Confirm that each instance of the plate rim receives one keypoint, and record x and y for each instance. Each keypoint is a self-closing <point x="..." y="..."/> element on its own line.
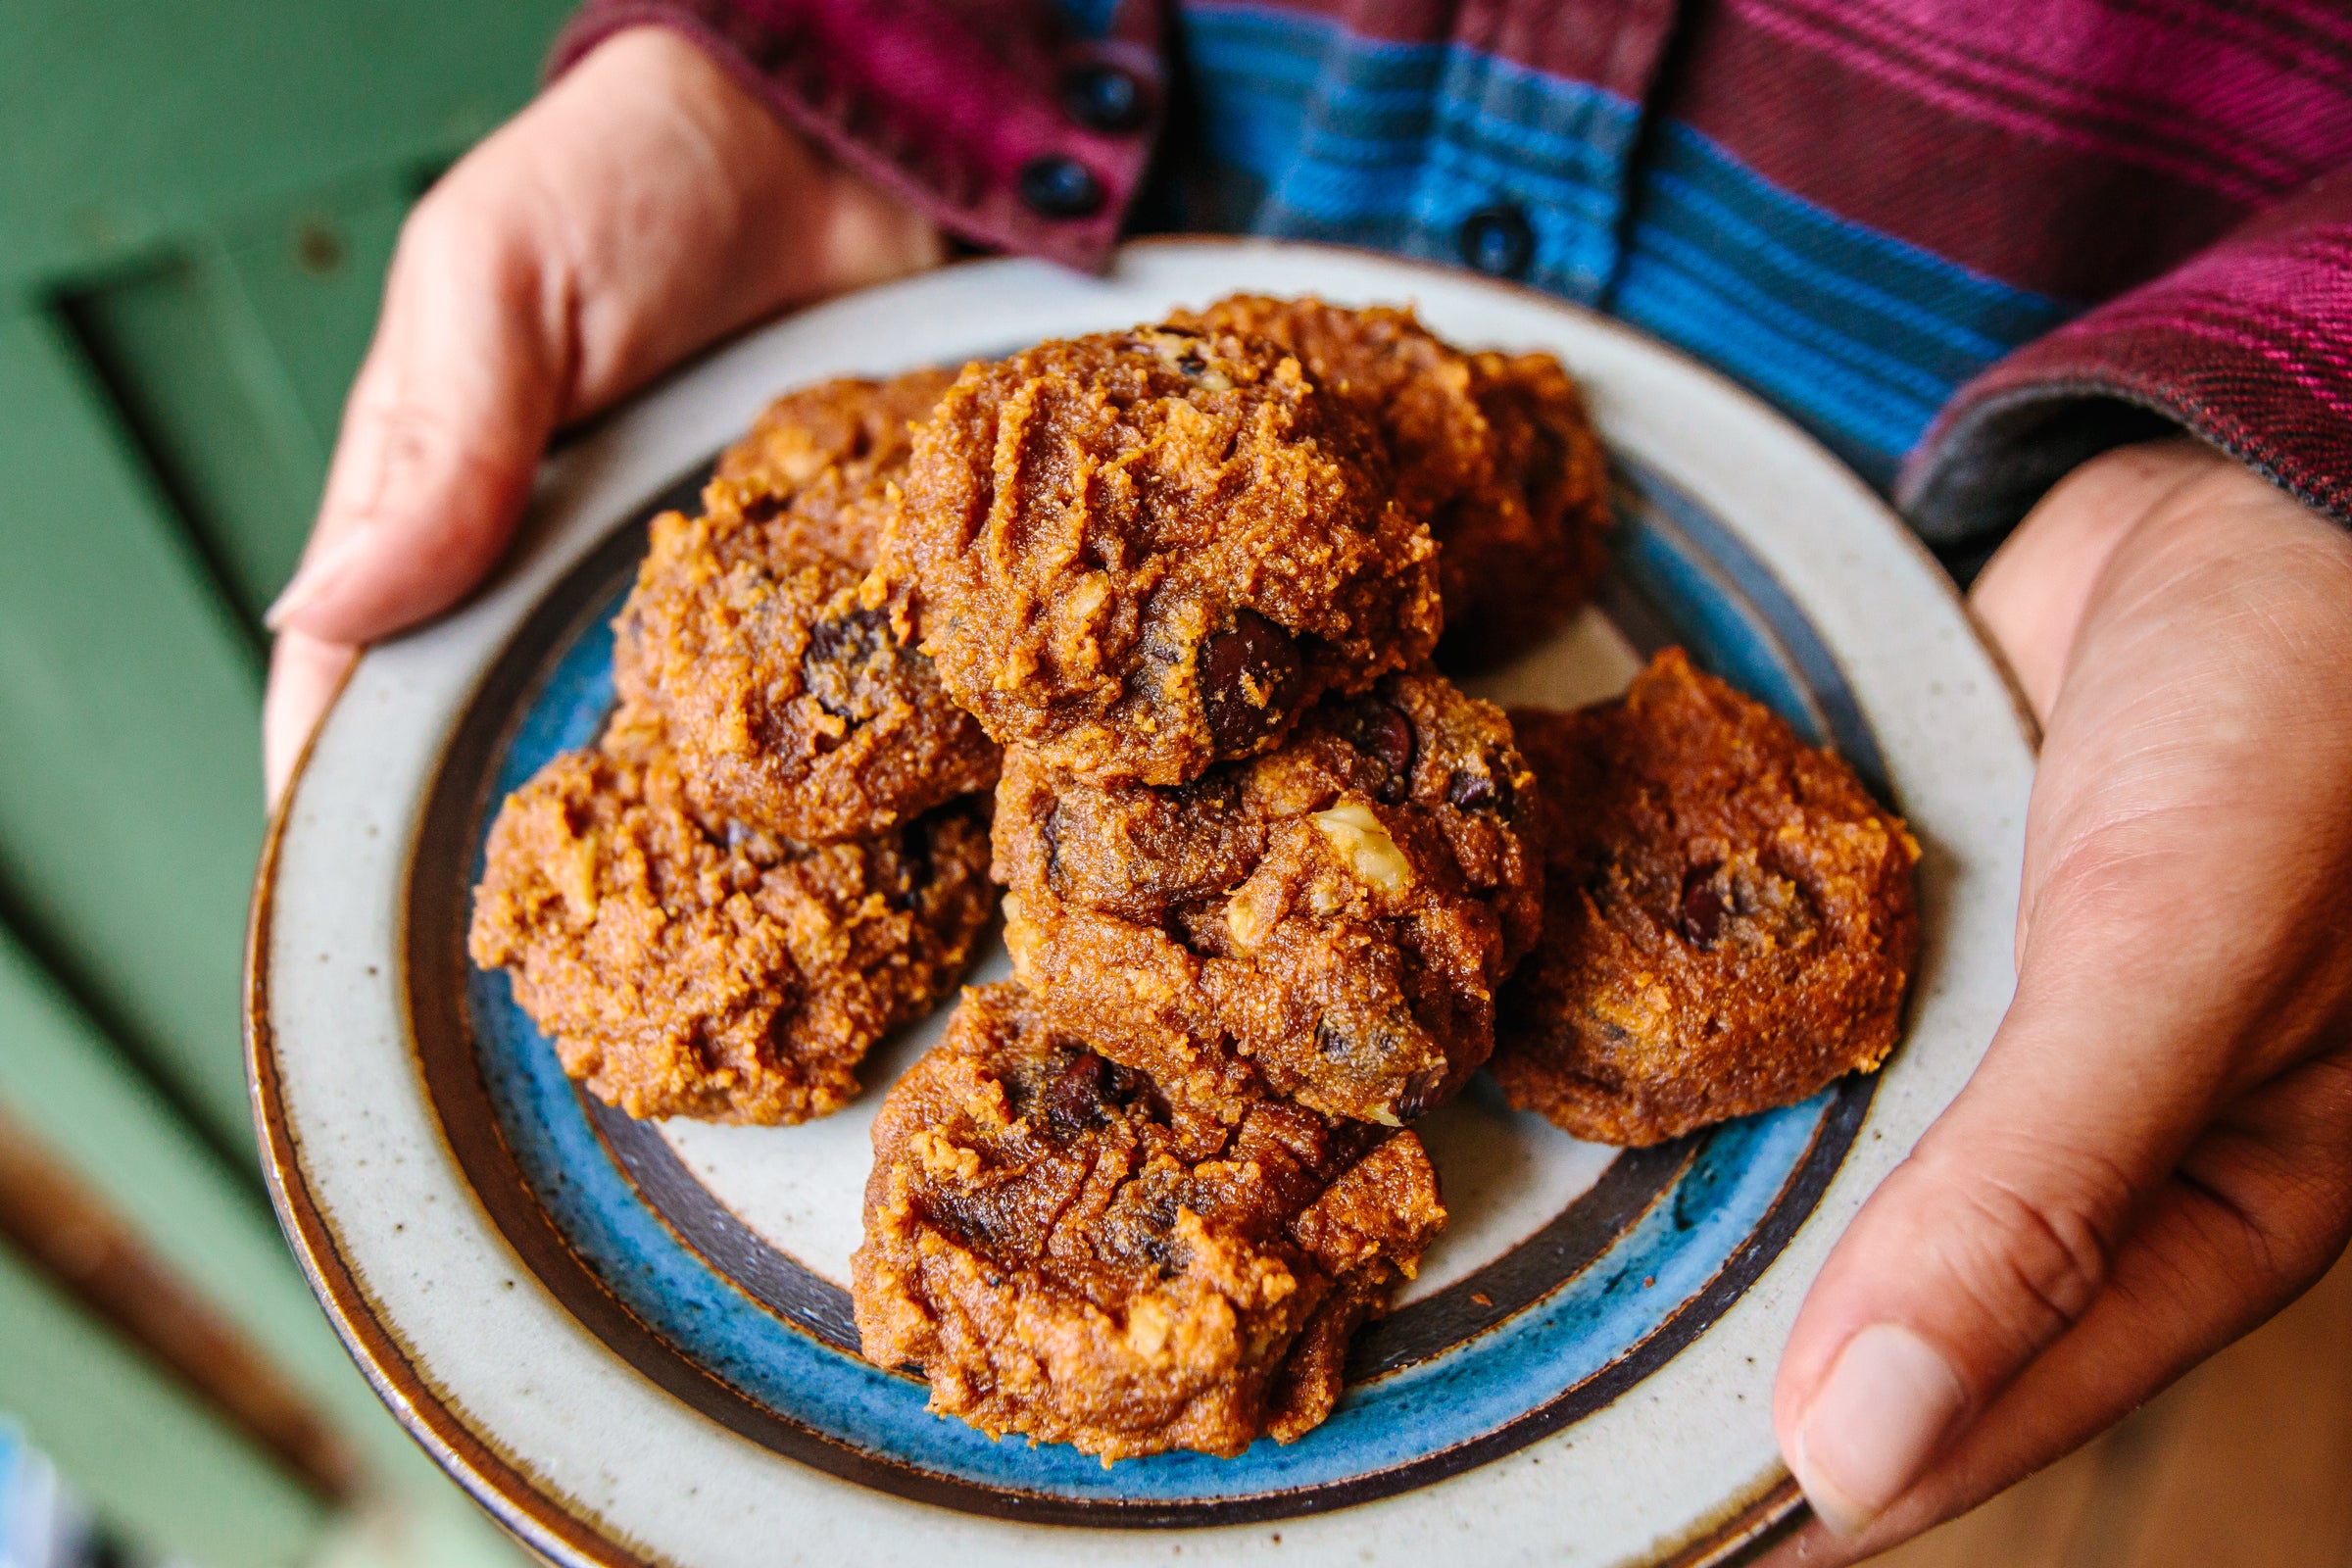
<point x="503" y="1482"/>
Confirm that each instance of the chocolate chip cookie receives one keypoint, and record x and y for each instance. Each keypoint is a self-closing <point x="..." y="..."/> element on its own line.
<point x="1328" y="922"/>
<point x="687" y="967"/>
<point x="825" y="456"/>
<point x="785" y="678"/>
<point x="1138" y="553"/>
<point x="1494" y="452"/>
<point x="1729" y="919"/>
<point x="1064" y="1254"/>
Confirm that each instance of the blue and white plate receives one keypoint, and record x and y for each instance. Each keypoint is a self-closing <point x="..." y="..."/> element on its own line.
<point x="632" y="1340"/>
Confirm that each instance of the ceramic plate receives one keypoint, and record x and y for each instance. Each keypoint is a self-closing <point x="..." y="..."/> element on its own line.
<point x="632" y="1342"/>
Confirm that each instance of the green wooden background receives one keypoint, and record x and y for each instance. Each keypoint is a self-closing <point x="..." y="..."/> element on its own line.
<point x="197" y="202"/>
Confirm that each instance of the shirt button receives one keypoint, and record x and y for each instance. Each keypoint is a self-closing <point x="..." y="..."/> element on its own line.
<point x="1496" y="241"/>
<point x="1102" y="98"/>
<point x="1061" y="187"/>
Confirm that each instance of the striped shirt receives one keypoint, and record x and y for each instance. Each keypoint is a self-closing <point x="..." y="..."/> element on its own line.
<point x="1968" y="243"/>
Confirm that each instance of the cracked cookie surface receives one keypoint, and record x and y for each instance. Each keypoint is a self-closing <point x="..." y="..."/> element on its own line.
<point x="782" y="676"/>
<point x="1328" y="922"/>
<point x="1495" y="451"/>
<point x="1064" y="1254"/>
<point x="1138" y="552"/>
<point x="1729" y="918"/>
<point x="686" y="968"/>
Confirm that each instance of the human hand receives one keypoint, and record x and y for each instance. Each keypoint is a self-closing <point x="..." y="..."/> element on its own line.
<point x="643" y="207"/>
<point x="2156" y="1153"/>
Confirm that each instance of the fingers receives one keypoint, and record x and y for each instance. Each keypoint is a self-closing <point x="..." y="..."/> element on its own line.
<point x="305" y="673"/>
<point x="645" y="205"/>
<point x="2187" y="868"/>
<point x="2257" y="1212"/>
<point x="1981" y="1249"/>
<point x="442" y="430"/>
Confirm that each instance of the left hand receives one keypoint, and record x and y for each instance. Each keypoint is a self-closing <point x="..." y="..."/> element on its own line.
<point x="2156" y="1153"/>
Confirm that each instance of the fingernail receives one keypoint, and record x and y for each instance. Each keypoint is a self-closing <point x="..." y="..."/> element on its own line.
<point x="1883" y="1411"/>
<point x="314" y="577"/>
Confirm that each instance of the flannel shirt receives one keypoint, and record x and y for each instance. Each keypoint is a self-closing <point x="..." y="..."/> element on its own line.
<point x="1967" y="243"/>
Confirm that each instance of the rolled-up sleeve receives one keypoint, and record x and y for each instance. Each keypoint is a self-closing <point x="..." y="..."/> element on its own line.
<point x="1011" y="122"/>
<point x="2247" y="344"/>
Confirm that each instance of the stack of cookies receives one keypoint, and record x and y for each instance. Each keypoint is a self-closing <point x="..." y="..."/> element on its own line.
<point x="1272" y="880"/>
<point x="778" y="851"/>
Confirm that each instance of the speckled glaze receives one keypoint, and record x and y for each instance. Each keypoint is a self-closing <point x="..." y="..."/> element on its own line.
<point x="631" y="1341"/>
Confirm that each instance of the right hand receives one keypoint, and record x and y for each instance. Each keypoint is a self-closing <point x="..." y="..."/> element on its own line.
<point x="643" y="207"/>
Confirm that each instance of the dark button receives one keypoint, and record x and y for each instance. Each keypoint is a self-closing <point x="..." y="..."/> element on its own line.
<point x="1061" y="187"/>
<point x="1102" y="98"/>
<point x="1498" y="241"/>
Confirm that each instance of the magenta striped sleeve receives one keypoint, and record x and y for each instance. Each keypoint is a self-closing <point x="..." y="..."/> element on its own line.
<point x="2248" y="344"/>
<point x="1012" y="130"/>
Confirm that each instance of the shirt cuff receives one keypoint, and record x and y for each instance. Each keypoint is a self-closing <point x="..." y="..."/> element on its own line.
<point x="2247" y="345"/>
<point x="1000" y="122"/>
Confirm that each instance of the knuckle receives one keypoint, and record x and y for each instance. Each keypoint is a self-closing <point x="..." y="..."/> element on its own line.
<point x="2031" y="1236"/>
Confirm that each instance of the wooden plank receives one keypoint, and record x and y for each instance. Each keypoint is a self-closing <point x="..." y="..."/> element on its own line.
<point x="209" y="1226"/>
<point x="144" y="1456"/>
<point x="130" y="807"/>
<point x="128" y="125"/>
<point x="230" y="359"/>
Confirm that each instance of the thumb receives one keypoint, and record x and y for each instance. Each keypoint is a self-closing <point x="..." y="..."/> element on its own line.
<point x="1984" y="1246"/>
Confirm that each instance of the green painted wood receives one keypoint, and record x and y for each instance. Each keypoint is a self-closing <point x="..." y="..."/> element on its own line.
<point x="125" y="125"/>
<point x="59" y="1073"/>
<point x="230" y="358"/>
<point x="147" y="1459"/>
<point x="129" y="781"/>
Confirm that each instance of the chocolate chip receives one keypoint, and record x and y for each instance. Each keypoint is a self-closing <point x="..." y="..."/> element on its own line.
<point x="763" y="506"/>
<point x="1702" y="904"/>
<point x="837" y="648"/>
<point x="1249" y="679"/>
<point x="861" y="633"/>
<point x="1478" y="792"/>
<point x="1384" y="734"/>
<point x="1192" y="363"/>
<point x="1421" y="1094"/>
<point x="1074" y="1099"/>
<point x="914" y="854"/>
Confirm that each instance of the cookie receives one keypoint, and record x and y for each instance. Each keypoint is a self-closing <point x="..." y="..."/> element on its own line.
<point x="1328" y="922"/>
<point x="1138" y="553"/>
<point x="1729" y="919"/>
<point x="829" y="452"/>
<point x="783" y="678"/>
<point x="691" y="968"/>
<point x="1494" y="452"/>
<point x="1064" y="1254"/>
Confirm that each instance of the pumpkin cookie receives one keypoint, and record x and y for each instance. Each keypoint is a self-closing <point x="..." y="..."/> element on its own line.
<point x="1729" y="919"/>
<point x="1064" y="1254"/>
<point x="779" y="672"/>
<point x="827" y="455"/>
<point x="692" y="968"/>
<point x="1142" y="551"/>
<point x="1328" y="922"/>
<point x="1494" y="452"/>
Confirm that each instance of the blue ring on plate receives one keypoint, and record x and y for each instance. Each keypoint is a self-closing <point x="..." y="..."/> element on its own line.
<point x="721" y="1318"/>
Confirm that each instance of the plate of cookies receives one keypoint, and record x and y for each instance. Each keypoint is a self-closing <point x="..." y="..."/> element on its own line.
<point x="1269" y="906"/>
